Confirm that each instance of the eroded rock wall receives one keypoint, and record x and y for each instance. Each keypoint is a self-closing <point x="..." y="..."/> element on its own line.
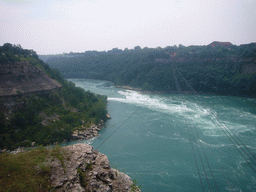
<point x="23" y="78"/>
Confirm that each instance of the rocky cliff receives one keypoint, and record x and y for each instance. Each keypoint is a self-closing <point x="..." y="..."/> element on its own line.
<point x="85" y="169"/>
<point x="23" y="78"/>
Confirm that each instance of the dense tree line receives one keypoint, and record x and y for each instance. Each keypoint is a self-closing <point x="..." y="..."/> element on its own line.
<point x="215" y="68"/>
<point x="70" y="106"/>
<point x="13" y="53"/>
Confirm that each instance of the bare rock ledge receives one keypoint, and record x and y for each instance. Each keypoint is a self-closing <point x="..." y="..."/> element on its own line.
<point x="93" y="173"/>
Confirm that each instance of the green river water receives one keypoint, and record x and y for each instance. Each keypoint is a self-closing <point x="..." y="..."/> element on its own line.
<point x="179" y="142"/>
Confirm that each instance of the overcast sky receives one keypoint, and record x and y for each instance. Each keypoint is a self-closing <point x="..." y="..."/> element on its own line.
<point x="57" y="26"/>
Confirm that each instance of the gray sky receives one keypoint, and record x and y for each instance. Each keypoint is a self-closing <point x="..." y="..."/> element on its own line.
<point x="57" y="26"/>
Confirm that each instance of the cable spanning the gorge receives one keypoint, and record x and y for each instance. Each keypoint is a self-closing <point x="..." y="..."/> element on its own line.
<point x="118" y="128"/>
<point x="230" y="134"/>
<point x="187" y="83"/>
<point x="200" y="157"/>
<point x="190" y="138"/>
<point x="206" y="158"/>
<point x="176" y="81"/>
<point x="100" y="145"/>
<point x="196" y="161"/>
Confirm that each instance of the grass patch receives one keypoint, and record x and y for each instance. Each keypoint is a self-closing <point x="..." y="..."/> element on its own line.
<point x="29" y="170"/>
<point x="58" y="153"/>
<point x="25" y="171"/>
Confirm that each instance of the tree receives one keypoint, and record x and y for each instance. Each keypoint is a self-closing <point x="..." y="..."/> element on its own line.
<point x="137" y="48"/>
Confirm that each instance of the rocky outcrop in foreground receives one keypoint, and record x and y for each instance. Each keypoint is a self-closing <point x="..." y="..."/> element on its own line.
<point x="85" y="169"/>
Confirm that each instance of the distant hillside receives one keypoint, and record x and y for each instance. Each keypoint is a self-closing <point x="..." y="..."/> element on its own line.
<point x="37" y="105"/>
<point x="218" y="68"/>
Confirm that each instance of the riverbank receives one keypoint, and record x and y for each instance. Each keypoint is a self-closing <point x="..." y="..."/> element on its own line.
<point x="88" y="132"/>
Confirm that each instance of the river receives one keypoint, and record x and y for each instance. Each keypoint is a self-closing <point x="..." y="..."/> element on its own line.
<point x="171" y="142"/>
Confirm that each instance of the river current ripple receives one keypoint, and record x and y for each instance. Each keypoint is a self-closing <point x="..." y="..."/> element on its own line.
<point x="155" y="147"/>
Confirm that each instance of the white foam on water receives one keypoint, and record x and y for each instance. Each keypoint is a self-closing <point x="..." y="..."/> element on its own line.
<point x="185" y="111"/>
<point x="171" y="137"/>
<point x="160" y="104"/>
<point x="214" y="145"/>
<point x="89" y="141"/>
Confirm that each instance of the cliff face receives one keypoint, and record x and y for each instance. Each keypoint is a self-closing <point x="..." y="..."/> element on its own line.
<point x="22" y="78"/>
<point x="85" y="169"/>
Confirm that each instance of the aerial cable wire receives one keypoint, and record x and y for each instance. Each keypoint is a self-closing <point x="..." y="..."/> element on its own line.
<point x="206" y="159"/>
<point x="229" y="130"/>
<point x="176" y="81"/>
<point x="99" y="145"/>
<point x="230" y="135"/>
<point x="196" y="161"/>
<point x="253" y="119"/>
<point x="194" y="91"/>
<point x="221" y="125"/>
<point x="200" y="157"/>
<point x="187" y="83"/>
<point x="217" y="118"/>
<point x="237" y="147"/>
<point x="194" y="154"/>
<point x="199" y="154"/>
<point x="226" y="179"/>
<point x="197" y="166"/>
<point x="118" y="128"/>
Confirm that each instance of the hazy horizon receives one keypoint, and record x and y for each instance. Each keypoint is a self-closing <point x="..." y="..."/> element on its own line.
<point x="56" y="27"/>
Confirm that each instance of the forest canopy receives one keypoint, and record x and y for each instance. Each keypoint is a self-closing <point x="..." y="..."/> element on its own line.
<point x="219" y="68"/>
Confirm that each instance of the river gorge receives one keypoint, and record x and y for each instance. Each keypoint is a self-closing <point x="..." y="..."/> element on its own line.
<point x="171" y="142"/>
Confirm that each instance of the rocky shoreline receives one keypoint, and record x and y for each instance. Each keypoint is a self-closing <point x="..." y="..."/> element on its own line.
<point x="88" y="133"/>
<point x="85" y="169"/>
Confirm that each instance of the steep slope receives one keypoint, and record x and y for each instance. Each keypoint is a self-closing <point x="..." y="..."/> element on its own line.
<point x="38" y="106"/>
